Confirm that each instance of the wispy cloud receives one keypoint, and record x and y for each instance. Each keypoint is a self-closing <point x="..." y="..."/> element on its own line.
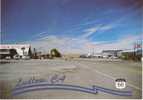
<point x="89" y="32"/>
<point x="39" y="35"/>
<point x="123" y="43"/>
<point x="64" y="44"/>
<point x="82" y="45"/>
<point x="106" y="27"/>
<point x="100" y="28"/>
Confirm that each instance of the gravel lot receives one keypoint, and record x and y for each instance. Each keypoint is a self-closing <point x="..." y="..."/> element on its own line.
<point x="83" y="72"/>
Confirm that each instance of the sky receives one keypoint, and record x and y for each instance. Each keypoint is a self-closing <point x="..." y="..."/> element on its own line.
<point x="72" y="26"/>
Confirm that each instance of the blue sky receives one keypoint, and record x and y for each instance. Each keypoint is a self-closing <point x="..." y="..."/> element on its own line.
<point x="82" y="24"/>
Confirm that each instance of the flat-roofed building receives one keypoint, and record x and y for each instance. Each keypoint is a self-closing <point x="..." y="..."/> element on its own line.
<point x="110" y="53"/>
<point x="21" y="49"/>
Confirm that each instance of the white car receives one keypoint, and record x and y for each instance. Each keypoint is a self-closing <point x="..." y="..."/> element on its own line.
<point x="8" y="58"/>
<point x="25" y="57"/>
<point x="114" y="57"/>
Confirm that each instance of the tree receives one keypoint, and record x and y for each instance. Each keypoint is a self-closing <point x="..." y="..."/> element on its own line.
<point x="12" y="52"/>
<point x="30" y="52"/>
<point x="55" y="53"/>
<point x="34" y="54"/>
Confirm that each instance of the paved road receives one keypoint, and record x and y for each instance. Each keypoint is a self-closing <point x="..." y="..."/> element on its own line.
<point x="83" y="72"/>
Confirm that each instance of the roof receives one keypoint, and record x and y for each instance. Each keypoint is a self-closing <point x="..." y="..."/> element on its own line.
<point x="128" y="50"/>
<point x="111" y="51"/>
<point x="13" y="46"/>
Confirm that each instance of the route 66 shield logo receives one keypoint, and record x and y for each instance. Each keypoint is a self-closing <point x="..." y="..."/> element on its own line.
<point x="120" y="83"/>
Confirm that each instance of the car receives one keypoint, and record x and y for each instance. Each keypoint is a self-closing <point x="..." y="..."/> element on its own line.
<point x="16" y="57"/>
<point x="83" y="56"/>
<point x="8" y="58"/>
<point x="113" y="57"/>
<point x="25" y="57"/>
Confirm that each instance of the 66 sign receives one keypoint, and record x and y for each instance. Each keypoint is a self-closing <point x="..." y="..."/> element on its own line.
<point x="120" y="83"/>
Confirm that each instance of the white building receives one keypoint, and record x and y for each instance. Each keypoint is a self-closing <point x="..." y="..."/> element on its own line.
<point x="21" y="49"/>
<point x="111" y="53"/>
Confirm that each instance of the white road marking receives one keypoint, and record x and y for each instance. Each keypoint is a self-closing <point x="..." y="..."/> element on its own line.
<point x="111" y="77"/>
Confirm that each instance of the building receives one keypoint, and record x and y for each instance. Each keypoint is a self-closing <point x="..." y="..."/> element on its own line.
<point x="98" y="55"/>
<point x="111" y="53"/>
<point x="14" y="49"/>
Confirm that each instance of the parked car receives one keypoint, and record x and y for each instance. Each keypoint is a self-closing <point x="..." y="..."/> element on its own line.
<point x="16" y="57"/>
<point x="113" y="57"/>
<point x="8" y="58"/>
<point x="82" y="56"/>
<point x="85" y="56"/>
<point x="25" y="57"/>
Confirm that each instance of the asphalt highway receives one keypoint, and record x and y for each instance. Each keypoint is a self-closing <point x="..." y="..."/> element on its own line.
<point x="82" y="72"/>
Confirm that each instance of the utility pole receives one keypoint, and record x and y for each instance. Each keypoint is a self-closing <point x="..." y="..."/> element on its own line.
<point x="134" y="49"/>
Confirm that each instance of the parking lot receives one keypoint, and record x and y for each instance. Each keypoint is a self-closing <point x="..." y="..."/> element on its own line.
<point x="80" y="71"/>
